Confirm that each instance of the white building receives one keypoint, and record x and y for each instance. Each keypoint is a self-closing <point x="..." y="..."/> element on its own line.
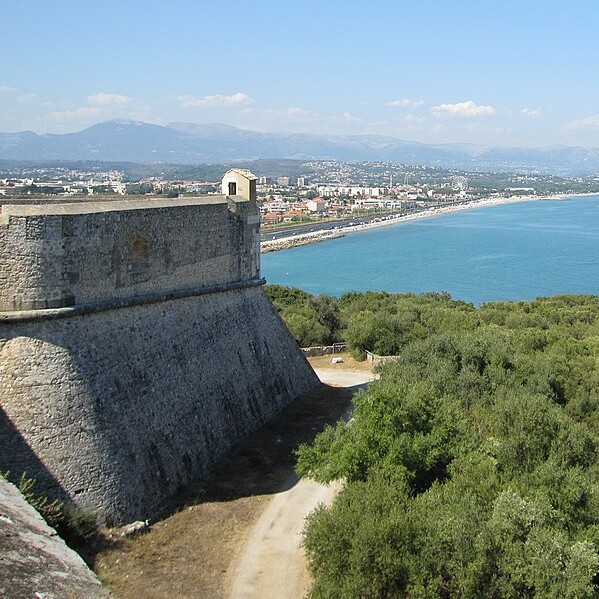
<point x="317" y="206"/>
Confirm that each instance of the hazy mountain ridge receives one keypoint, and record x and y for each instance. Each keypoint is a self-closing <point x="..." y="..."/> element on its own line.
<point x="190" y="143"/>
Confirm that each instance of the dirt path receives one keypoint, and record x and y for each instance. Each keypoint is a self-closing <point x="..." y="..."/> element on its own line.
<point x="199" y="546"/>
<point x="272" y="562"/>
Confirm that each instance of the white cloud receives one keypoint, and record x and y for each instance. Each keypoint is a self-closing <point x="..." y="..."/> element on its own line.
<point x="468" y="109"/>
<point x="299" y="112"/>
<point x="351" y="118"/>
<point x="99" y="105"/>
<point x="412" y="118"/>
<point x="236" y="99"/>
<point x="400" y="103"/>
<point x="27" y="98"/>
<point x="79" y="113"/>
<point x="103" y="99"/>
<point x="405" y="103"/>
<point x="4" y="89"/>
<point x="531" y="112"/>
<point x="589" y="122"/>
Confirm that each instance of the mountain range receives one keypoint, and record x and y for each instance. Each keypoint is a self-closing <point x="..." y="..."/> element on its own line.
<point x="189" y="143"/>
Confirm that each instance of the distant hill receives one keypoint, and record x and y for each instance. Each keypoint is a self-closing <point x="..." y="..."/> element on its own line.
<point x="189" y="143"/>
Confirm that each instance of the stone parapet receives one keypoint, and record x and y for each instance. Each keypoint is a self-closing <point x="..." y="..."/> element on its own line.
<point x="61" y="255"/>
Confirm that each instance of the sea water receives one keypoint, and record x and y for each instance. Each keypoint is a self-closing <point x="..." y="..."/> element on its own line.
<point x="509" y="252"/>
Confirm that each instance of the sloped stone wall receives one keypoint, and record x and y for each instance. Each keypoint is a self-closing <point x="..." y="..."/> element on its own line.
<point x="120" y="408"/>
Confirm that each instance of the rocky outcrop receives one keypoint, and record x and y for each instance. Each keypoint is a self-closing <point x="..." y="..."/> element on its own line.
<point x="34" y="561"/>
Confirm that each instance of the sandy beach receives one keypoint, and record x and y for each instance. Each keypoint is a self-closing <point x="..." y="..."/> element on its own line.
<point x="319" y="236"/>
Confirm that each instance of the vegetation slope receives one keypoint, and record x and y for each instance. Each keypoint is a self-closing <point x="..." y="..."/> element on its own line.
<point x="470" y="468"/>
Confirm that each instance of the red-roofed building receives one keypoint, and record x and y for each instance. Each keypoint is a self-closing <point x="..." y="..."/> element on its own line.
<point x="271" y="218"/>
<point x="289" y="216"/>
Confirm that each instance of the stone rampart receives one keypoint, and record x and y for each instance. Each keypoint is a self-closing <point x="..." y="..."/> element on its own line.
<point x="119" y="409"/>
<point x="136" y="347"/>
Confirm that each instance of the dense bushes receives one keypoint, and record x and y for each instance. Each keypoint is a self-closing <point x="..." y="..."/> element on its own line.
<point x="378" y="322"/>
<point x="471" y="467"/>
<point x="312" y="320"/>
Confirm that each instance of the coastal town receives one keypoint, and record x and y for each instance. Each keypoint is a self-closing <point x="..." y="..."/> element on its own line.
<point x="299" y="202"/>
<point x="287" y="189"/>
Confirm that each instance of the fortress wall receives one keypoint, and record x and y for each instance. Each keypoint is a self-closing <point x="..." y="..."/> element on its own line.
<point x="118" y="409"/>
<point x="136" y="346"/>
<point x="73" y="254"/>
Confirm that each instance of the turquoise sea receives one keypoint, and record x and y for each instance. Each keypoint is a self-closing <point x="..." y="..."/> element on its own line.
<point x="511" y="252"/>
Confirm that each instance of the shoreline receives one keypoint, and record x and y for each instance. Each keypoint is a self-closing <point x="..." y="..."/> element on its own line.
<point x="319" y="236"/>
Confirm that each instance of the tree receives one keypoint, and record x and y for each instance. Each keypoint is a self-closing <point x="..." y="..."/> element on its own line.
<point x="470" y="467"/>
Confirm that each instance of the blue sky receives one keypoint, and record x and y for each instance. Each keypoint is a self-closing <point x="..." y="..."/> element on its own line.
<point x="501" y="72"/>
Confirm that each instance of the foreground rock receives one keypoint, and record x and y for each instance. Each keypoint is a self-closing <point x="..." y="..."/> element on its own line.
<point x="34" y="560"/>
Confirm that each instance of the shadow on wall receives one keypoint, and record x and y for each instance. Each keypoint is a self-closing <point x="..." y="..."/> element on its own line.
<point x="264" y="463"/>
<point x="18" y="458"/>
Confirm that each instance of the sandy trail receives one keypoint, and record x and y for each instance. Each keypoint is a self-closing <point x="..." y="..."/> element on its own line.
<point x="272" y="562"/>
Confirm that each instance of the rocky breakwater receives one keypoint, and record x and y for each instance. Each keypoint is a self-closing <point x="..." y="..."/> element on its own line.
<point x="292" y="241"/>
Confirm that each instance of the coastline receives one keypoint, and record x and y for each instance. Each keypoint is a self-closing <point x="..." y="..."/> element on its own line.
<point x="319" y="236"/>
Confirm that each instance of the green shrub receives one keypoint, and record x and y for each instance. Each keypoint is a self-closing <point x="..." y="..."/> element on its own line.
<point x="74" y="525"/>
<point x="470" y="467"/>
